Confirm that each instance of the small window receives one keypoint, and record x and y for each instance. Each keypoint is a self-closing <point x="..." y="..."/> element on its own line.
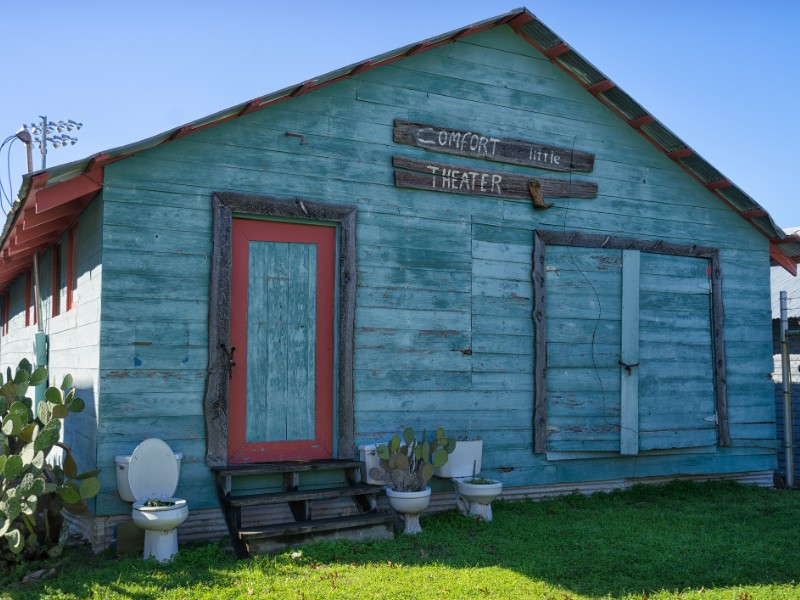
<point x="4" y="313"/>
<point x="30" y="300"/>
<point x="72" y="271"/>
<point x="56" y="290"/>
<point x="8" y="312"/>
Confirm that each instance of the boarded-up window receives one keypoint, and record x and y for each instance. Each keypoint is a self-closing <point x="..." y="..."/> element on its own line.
<point x="56" y="286"/>
<point x="626" y="346"/>
<point x="72" y="271"/>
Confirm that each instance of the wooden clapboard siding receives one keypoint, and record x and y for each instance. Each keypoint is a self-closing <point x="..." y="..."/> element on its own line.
<point x="584" y="286"/>
<point x="677" y="292"/>
<point x="73" y="335"/>
<point x="443" y="331"/>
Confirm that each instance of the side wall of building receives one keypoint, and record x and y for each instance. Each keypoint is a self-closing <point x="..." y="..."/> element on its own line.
<point x="73" y="333"/>
<point x="444" y="332"/>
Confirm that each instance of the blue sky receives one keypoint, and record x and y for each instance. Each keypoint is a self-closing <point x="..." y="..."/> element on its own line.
<point x="722" y="74"/>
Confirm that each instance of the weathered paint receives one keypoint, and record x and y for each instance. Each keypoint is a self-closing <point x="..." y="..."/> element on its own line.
<point x="443" y="329"/>
<point x="73" y="335"/>
<point x="282" y="324"/>
<point x="629" y="353"/>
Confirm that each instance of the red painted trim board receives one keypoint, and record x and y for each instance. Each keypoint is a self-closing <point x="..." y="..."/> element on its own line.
<point x="244" y="231"/>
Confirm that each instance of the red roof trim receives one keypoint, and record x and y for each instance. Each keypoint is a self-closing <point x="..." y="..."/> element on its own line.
<point x="31" y="245"/>
<point x="31" y="219"/>
<point x="79" y="187"/>
<point x="519" y="20"/>
<point x="98" y="162"/>
<point x="303" y="88"/>
<point x="417" y="48"/>
<point x="39" y="180"/>
<point x="23" y="236"/>
<point x="250" y="107"/>
<point x="600" y="87"/>
<point x="718" y="184"/>
<point x="680" y="153"/>
<point x="367" y="64"/>
<point x="466" y="31"/>
<point x="753" y="214"/>
<point x="557" y="50"/>
<point x="789" y="239"/>
<point x="783" y="260"/>
<point x="641" y="121"/>
<point x="183" y="131"/>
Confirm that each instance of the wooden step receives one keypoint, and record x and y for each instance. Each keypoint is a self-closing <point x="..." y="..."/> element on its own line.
<point x="281" y="497"/>
<point x="289" y="466"/>
<point x="315" y="526"/>
<point x="358" y="528"/>
<point x="318" y="525"/>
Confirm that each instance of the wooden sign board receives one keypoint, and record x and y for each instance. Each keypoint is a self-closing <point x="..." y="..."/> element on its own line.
<point x="438" y="177"/>
<point x="473" y="144"/>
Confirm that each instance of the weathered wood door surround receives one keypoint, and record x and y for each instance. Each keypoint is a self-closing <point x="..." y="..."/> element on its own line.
<point x="280" y="356"/>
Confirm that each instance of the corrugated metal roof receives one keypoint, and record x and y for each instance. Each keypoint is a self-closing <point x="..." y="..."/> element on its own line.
<point x="68" y="188"/>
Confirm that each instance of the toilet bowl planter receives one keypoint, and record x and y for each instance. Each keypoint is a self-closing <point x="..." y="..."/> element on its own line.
<point x="149" y="478"/>
<point x="406" y="466"/>
<point x="160" y="526"/>
<point x="474" y="496"/>
<point x="409" y="505"/>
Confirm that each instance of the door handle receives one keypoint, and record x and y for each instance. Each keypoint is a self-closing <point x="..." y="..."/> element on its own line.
<point x="627" y="366"/>
<point x="229" y="356"/>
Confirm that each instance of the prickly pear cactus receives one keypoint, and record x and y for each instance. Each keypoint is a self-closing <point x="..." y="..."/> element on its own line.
<point x="406" y="465"/>
<point x="33" y="491"/>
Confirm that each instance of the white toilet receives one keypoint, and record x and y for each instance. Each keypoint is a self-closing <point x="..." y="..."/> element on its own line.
<point x="151" y="472"/>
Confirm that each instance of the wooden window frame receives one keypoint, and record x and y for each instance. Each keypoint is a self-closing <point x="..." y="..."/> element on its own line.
<point x="72" y="281"/>
<point x="28" y="299"/>
<point x="215" y="404"/>
<point x="56" y="275"/>
<point x="543" y="238"/>
<point x="6" y="312"/>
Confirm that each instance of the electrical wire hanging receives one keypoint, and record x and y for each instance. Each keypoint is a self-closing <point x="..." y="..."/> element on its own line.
<point x="5" y="194"/>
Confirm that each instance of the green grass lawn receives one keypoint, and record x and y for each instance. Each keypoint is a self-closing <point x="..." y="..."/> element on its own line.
<point x="683" y="540"/>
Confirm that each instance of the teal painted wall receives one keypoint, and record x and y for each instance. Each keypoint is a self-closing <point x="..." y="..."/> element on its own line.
<point x="73" y="335"/>
<point x="438" y="275"/>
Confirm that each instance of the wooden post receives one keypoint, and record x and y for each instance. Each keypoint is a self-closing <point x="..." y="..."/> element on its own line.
<point x="629" y="354"/>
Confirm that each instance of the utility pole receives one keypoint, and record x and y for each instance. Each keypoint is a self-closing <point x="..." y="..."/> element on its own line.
<point x="49" y="132"/>
<point x="25" y="137"/>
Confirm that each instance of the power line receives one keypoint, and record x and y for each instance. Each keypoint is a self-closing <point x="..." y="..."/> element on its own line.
<point x="5" y="196"/>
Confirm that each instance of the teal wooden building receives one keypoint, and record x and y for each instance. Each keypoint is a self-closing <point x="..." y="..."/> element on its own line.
<point x="480" y="231"/>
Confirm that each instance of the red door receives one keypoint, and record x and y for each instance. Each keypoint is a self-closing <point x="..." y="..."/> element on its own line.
<point x="282" y="326"/>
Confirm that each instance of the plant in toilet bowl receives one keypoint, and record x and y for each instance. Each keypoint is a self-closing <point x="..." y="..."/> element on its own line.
<point x="474" y="495"/>
<point x="33" y="487"/>
<point x="475" y="480"/>
<point x="480" y="481"/>
<point x="157" y="503"/>
<point x="406" y="466"/>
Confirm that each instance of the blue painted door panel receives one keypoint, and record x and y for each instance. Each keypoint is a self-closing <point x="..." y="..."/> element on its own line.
<point x="583" y="309"/>
<point x="667" y="399"/>
<point x="676" y="392"/>
<point x="281" y="339"/>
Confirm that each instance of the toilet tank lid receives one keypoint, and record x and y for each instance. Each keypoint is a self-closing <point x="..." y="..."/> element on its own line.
<point x="153" y="471"/>
<point x="124" y="459"/>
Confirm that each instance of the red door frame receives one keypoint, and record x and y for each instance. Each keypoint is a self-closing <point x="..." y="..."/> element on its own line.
<point x="244" y="231"/>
